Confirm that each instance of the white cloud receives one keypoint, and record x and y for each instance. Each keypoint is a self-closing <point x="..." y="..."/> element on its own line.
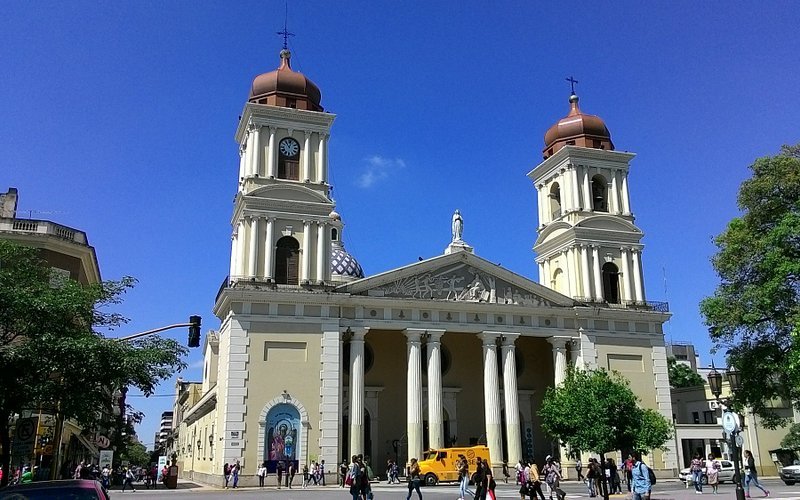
<point x="197" y="364"/>
<point x="378" y="168"/>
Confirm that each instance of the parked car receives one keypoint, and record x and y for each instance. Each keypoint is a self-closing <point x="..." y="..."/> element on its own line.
<point x="69" y="489"/>
<point x="790" y="474"/>
<point x="725" y="473"/>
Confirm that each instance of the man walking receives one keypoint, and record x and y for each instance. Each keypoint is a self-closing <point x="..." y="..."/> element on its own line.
<point x="641" y="478"/>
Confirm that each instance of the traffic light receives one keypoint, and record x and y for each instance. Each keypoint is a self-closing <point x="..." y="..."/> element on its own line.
<point x="194" y="331"/>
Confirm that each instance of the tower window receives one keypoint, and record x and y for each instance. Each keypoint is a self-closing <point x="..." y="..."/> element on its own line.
<point x="289" y="159"/>
<point x="555" y="201"/>
<point x="334" y="234"/>
<point x="287" y="261"/>
<point x="599" y="194"/>
<point x="611" y="283"/>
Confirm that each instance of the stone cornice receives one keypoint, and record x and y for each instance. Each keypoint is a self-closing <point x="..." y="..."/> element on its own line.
<point x="573" y="154"/>
<point x="280" y="117"/>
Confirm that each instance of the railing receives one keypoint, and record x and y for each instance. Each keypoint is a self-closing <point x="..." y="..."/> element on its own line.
<point x="641" y="305"/>
<point x="32" y="226"/>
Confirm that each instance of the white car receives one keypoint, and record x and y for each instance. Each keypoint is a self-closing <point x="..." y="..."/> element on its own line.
<point x="725" y="473"/>
<point x="790" y="474"/>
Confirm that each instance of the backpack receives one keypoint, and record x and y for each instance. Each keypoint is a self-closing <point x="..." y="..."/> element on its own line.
<point x="650" y="474"/>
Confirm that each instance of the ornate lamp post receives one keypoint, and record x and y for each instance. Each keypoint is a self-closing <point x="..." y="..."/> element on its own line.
<point x="730" y="420"/>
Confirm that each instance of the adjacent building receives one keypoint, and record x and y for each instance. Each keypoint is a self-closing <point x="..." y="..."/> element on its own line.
<point x="315" y="361"/>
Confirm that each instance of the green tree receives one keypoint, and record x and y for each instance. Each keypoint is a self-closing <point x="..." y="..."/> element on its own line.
<point x="53" y="355"/>
<point x="681" y="375"/>
<point x="136" y="454"/>
<point x="596" y="411"/>
<point x="792" y="439"/>
<point x="754" y="314"/>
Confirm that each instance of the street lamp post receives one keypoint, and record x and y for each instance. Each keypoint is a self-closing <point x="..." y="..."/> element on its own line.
<point x="730" y="419"/>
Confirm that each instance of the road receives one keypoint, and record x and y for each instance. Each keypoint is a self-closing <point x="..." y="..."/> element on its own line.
<point x="667" y="490"/>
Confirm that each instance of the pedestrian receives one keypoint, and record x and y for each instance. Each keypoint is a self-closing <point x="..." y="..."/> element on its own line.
<point x="262" y="473"/>
<point x="640" y="477"/>
<point x="552" y="477"/>
<point x="235" y="470"/>
<point x="613" y="476"/>
<point x="313" y="472"/>
<point x="394" y="476"/>
<point x="226" y="473"/>
<point x="506" y="475"/>
<point x="696" y="469"/>
<point x="534" y="483"/>
<point x="279" y="471"/>
<point x="579" y="469"/>
<point x="105" y="477"/>
<point x="78" y="471"/>
<point x="342" y="473"/>
<point x="591" y="474"/>
<point x="463" y="477"/>
<point x="353" y="479"/>
<point x="290" y="474"/>
<point x="413" y="479"/>
<point x="628" y="471"/>
<point x="479" y="478"/>
<point x="321" y="471"/>
<point x="128" y="480"/>
<point x="712" y="472"/>
<point x="751" y="474"/>
<point x="365" y="489"/>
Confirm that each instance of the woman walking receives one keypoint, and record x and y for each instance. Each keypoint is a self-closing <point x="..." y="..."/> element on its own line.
<point x="463" y="478"/>
<point x="413" y="479"/>
<point x="712" y="472"/>
<point x="696" y="469"/>
<point x="751" y="475"/>
<point x="262" y="473"/>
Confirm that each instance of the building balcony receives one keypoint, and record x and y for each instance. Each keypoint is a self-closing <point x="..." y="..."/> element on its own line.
<point x="42" y="227"/>
<point x="640" y="305"/>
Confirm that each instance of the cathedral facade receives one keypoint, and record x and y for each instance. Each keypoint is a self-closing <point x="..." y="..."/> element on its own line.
<point x="314" y="361"/>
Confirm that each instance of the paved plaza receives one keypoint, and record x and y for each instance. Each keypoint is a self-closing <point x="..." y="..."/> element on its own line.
<point x="667" y="490"/>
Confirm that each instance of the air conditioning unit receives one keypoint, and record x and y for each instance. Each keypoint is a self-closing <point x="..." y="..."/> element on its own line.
<point x="713" y="405"/>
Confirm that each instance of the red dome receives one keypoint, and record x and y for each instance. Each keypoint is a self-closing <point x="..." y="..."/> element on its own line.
<point x="286" y="88"/>
<point x="577" y="129"/>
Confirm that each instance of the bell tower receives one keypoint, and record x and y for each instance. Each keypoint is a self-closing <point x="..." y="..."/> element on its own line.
<point x="588" y="247"/>
<point x="281" y="218"/>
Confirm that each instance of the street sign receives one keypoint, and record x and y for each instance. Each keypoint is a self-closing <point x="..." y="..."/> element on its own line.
<point x="106" y="458"/>
<point x="739" y="440"/>
<point x="162" y="462"/>
<point x="103" y="442"/>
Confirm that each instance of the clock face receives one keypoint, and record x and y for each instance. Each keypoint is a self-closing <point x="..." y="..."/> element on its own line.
<point x="289" y="147"/>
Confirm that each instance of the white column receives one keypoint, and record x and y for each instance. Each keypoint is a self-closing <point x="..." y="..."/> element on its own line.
<point x="249" y="150"/>
<point x="242" y="158"/>
<point x="435" y="414"/>
<point x="357" y="391"/>
<point x="542" y="199"/>
<point x="513" y="437"/>
<point x="587" y="289"/>
<point x="568" y="272"/>
<point x="547" y="275"/>
<point x="572" y="272"/>
<point x="414" y="393"/>
<point x="240" y="249"/>
<point x="566" y="192"/>
<point x="598" y="280"/>
<point x="637" y="275"/>
<point x="232" y="271"/>
<point x="615" y="191"/>
<point x="573" y="172"/>
<point x="321" y="234"/>
<point x="323" y="158"/>
<point x="542" y="275"/>
<point x="559" y="359"/>
<point x="626" y="274"/>
<point x="587" y="191"/>
<point x="491" y="398"/>
<point x="307" y="157"/>
<point x="626" y="201"/>
<point x="269" y="249"/>
<point x="254" y="155"/>
<point x="272" y="153"/>
<point x="306" y="257"/>
<point x="253" y="257"/>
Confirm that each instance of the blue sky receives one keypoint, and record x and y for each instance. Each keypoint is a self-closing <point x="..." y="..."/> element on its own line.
<point x="118" y="119"/>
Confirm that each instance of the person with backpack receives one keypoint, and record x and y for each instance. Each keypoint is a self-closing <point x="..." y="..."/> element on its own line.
<point x="641" y="478"/>
<point x="353" y="478"/>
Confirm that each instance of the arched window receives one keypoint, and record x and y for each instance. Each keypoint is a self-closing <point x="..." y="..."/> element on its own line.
<point x="555" y="201"/>
<point x="599" y="194"/>
<point x="283" y="436"/>
<point x="611" y="283"/>
<point x="334" y="234"/>
<point x="559" y="282"/>
<point x="289" y="159"/>
<point x="287" y="261"/>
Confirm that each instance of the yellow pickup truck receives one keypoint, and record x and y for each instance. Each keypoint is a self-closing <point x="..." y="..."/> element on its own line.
<point x="440" y="465"/>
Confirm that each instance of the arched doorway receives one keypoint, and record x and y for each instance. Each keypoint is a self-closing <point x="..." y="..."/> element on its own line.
<point x="287" y="261"/>
<point x="282" y="439"/>
<point x="611" y="283"/>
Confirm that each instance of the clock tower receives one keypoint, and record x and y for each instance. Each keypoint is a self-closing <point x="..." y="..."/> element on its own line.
<point x="588" y="247"/>
<point x="281" y="218"/>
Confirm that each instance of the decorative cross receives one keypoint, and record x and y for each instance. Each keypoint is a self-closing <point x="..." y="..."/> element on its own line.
<point x="572" y="83"/>
<point x="286" y="33"/>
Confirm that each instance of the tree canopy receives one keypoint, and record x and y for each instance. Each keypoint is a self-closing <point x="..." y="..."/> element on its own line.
<point x="791" y="440"/>
<point x="596" y="411"/>
<point x="754" y="314"/>
<point x="681" y="375"/>
<point x="52" y="352"/>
